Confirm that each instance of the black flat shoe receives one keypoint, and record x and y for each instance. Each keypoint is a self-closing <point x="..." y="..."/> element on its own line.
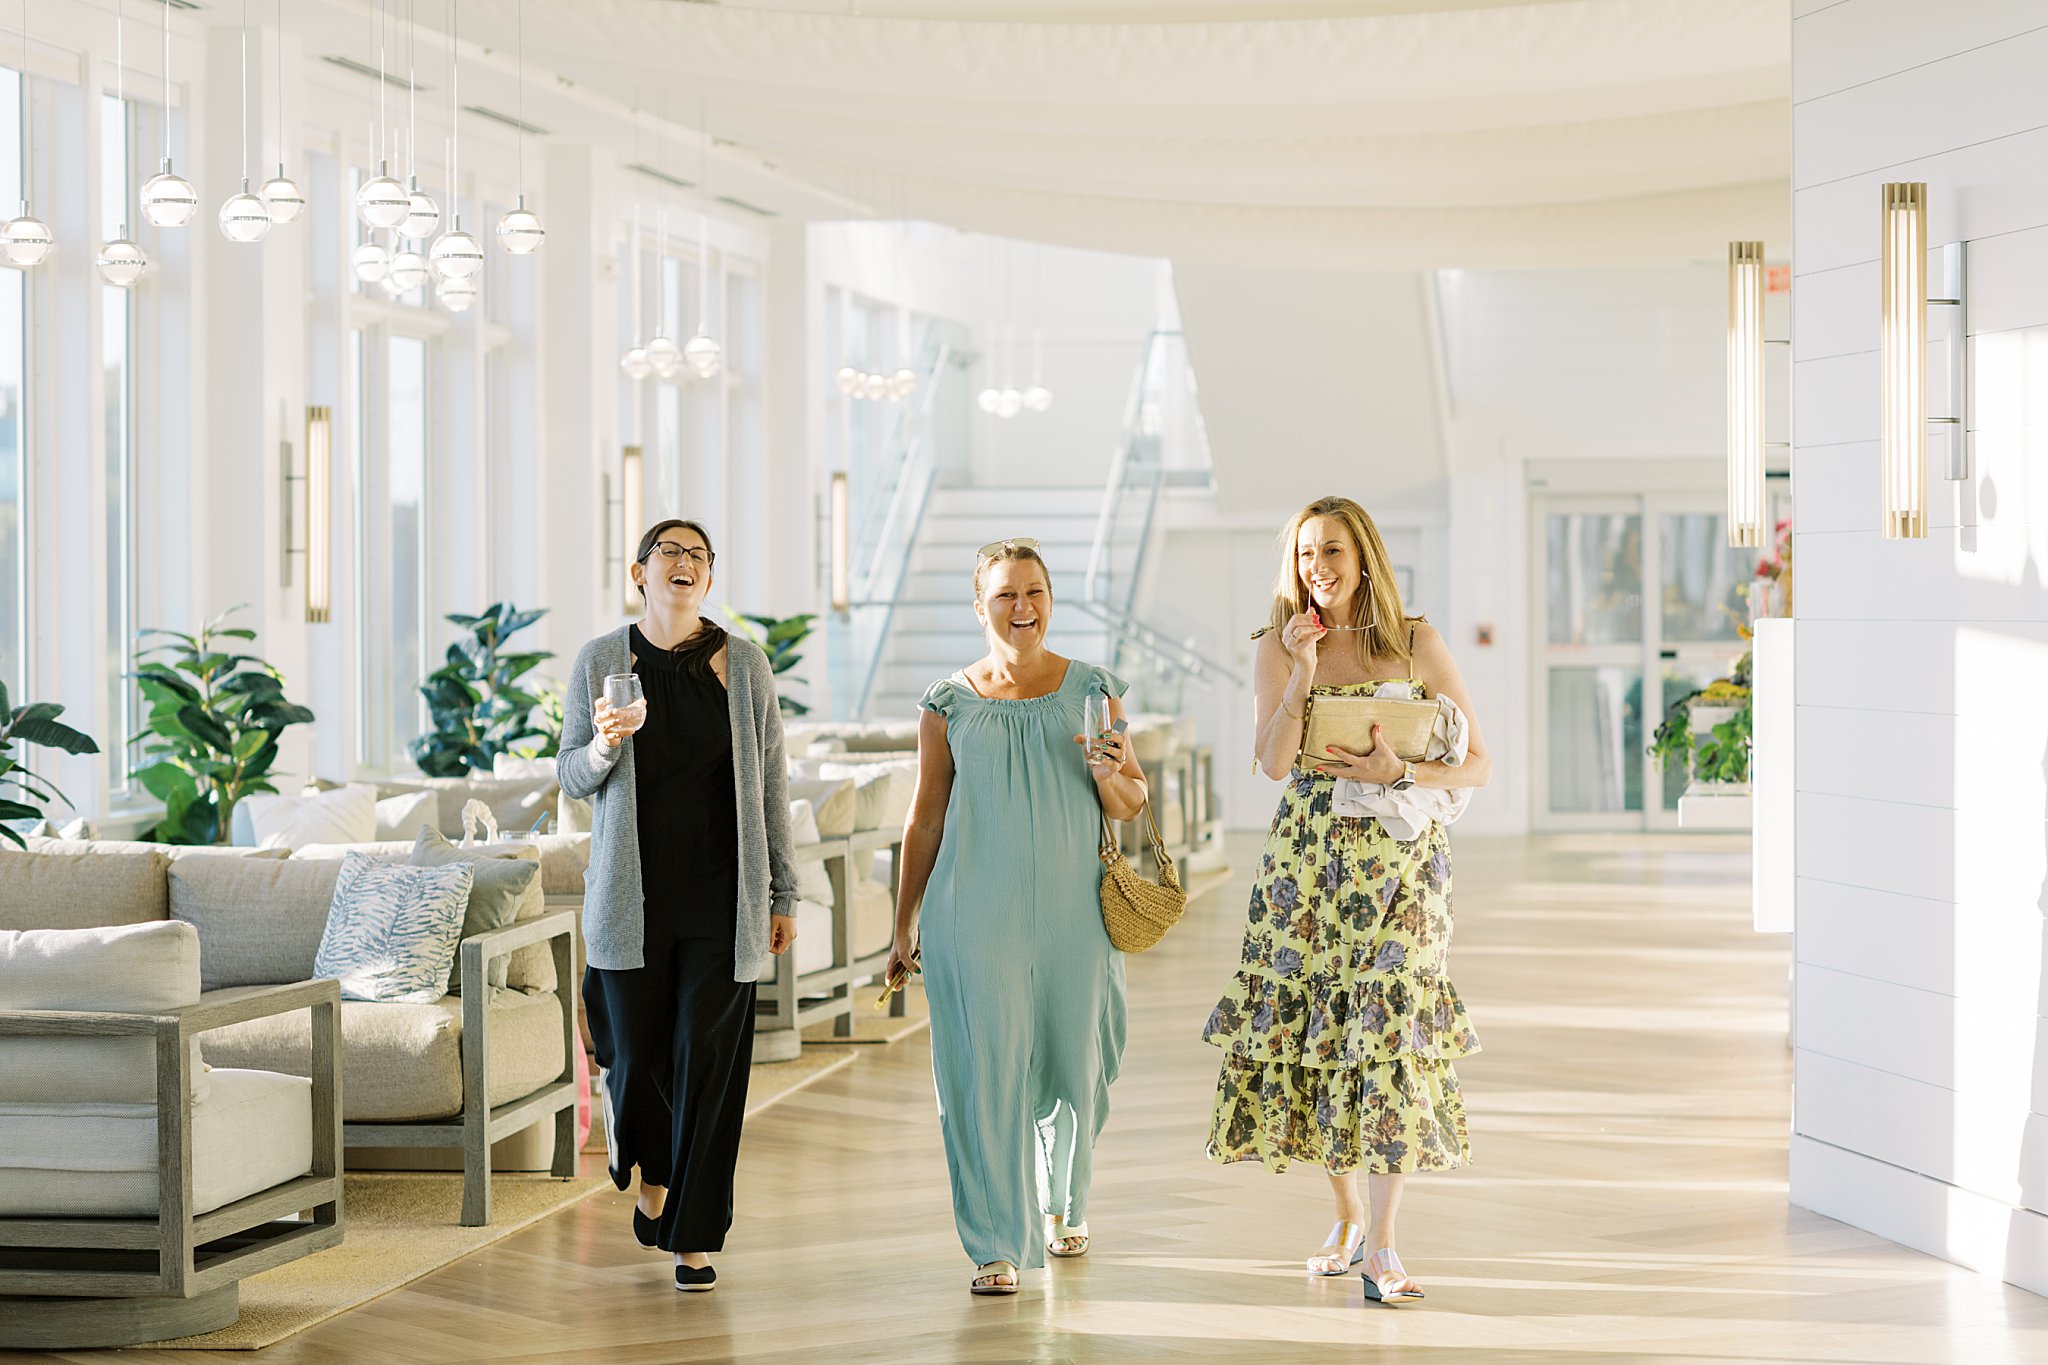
<point x="645" y="1229"/>
<point x="691" y="1280"/>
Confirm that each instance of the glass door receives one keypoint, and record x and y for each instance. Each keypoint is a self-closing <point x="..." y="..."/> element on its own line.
<point x="1641" y="601"/>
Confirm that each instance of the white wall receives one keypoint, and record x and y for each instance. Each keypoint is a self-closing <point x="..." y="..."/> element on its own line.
<point x="1922" y="665"/>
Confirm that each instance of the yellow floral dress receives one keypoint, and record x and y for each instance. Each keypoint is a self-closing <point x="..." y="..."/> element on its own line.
<point x="1340" y="1027"/>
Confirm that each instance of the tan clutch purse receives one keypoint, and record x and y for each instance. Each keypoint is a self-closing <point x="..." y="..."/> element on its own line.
<point x="1347" y="722"/>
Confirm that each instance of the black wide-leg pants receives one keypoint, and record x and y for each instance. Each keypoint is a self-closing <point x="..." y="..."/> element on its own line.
<point x="675" y="1039"/>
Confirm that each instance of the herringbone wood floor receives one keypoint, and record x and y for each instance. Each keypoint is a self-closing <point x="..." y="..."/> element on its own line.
<point x="1628" y="1202"/>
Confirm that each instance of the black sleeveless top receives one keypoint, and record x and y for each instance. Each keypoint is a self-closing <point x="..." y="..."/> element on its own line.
<point x="685" y="801"/>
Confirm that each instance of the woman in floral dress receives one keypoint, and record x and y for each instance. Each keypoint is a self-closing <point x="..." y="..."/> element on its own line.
<point x="1340" y="1027"/>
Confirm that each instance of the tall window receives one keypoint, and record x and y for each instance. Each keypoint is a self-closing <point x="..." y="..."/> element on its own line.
<point x="117" y="329"/>
<point x="13" y="416"/>
<point x="405" y="457"/>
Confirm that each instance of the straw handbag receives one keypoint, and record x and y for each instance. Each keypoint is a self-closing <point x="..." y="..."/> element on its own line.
<point x="1136" y="912"/>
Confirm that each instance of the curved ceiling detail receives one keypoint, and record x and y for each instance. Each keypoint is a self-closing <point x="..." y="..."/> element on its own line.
<point x="1396" y="134"/>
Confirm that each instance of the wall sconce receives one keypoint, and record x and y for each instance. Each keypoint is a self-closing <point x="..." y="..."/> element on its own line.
<point x="841" y="550"/>
<point x="1902" y="350"/>
<point x="1745" y="393"/>
<point x="633" y="516"/>
<point x="318" y="548"/>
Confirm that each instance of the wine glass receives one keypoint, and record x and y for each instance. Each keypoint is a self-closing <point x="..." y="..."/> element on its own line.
<point x="627" y="699"/>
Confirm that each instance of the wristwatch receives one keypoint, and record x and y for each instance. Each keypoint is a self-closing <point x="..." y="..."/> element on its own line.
<point x="1405" y="780"/>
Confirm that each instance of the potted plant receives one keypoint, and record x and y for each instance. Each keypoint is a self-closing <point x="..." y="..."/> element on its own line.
<point x="779" y="637"/>
<point x="475" y="702"/>
<point x="214" y="721"/>
<point x="35" y="723"/>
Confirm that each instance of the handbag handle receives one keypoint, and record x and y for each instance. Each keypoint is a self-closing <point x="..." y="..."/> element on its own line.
<point x="1108" y="849"/>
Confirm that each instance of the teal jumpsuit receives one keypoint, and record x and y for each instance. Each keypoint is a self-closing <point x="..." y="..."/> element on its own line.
<point x="1027" y="995"/>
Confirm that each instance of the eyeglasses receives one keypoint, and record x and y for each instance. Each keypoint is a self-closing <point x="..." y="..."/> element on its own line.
<point x="997" y="547"/>
<point x="672" y="552"/>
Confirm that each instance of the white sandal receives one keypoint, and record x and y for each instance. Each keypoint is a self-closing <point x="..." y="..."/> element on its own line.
<point x="990" y="1273"/>
<point x="1387" y="1281"/>
<point x="1344" y="1249"/>
<point x="1060" y="1236"/>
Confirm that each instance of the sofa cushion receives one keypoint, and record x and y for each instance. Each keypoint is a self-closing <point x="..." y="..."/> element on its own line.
<point x="833" y="804"/>
<point x="392" y="929"/>
<point x="130" y="969"/>
<point x="572" y="816"/>
<point x="259" y="919"/>
<point x="170" y="852"/>
<point x="500" y="889"/>
<point x="342" y="816"/>
<point x="405" y="815"/>
<point x="80" y="890"/>
<point x="85" y="1160"/>
<point x="404" y="1062"/>
<point x="881" y="791"/>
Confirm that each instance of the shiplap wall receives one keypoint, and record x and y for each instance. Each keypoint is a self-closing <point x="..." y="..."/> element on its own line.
<point x="1922" y="667"/>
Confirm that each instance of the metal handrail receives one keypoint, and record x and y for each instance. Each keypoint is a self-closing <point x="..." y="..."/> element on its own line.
<point x="1171" y="653"/>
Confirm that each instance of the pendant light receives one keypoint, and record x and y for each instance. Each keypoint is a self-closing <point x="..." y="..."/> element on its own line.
<point x="422" y="214"/>
<point x="281" y="194"/>
<point x="457" y="295"/>
<point x="382" y="202"/>
<point x="168" y="199"/>
<point x="244" y="217"/>
<point x="456" y="255"/>
<point x="634" y="361"/>
<point x="519" y="231"/>
<point x="26" y="240"/>
<point x="704" y="356"/>
<point x="408" y="271"/>
<point x="663" y="355"/>
<point x="121" y="262"/>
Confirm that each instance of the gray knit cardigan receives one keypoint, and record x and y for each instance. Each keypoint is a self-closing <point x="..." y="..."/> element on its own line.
<point x="614" y="926"/>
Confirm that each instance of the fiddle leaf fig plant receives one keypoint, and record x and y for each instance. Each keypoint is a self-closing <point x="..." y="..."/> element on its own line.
<point x="475" y="700"/>
<point x="779" y="637"/>
<point x="214" y="721"/>
<point x="23" y="794"/>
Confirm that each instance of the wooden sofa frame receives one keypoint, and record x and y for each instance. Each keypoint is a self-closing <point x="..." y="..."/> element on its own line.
<point x="780" y="1004"/>
<point x="480" y="1124"/>
<point x="88" y="1282"/>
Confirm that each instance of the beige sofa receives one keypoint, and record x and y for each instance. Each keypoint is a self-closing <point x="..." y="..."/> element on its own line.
<point x="465" y="1072"/>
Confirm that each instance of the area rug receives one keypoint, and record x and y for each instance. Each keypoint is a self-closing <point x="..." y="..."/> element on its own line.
<point x="400" y="1225"/>
<point x="405" y="1224"/>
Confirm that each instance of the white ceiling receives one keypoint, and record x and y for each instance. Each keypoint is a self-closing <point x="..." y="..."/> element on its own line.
<point x="1390" y="134"/>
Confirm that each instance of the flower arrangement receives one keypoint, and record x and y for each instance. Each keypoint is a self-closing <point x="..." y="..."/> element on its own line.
<point x="1777" y="571"/>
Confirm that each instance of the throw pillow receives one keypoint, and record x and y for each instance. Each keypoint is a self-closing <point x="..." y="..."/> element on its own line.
<point x="882" y="791"/>
<point x="345" y="816"/>
<point x="813" y="881"/>
<point x="392" y="929"/>
<point x="402" y="817"/>
<point x="260" y="920"/>
<point x="832" y="804"/>
<point x="502" y="885"/>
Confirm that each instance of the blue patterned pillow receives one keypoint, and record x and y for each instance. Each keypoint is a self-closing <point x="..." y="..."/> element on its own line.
<point x="392" y="929"/>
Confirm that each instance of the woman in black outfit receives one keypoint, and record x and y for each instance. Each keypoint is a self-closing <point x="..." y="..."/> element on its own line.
<point x="674" y="1035"/>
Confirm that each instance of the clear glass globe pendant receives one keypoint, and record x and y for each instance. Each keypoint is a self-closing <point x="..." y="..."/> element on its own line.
<point x="283" y="197"/>
<point x="244" y="217"/>
<point x="168" y="199"/>
<point x="382" y="202"/>
<point x="26" y="241"/>
<point x="457" y="295"/>
<point x="634" y="362"/>
<point x="371" y="262"/>
<point x="407" y="272"/>
<point x="519" y="231"/>
<point x="665" y="356"/>
<point x="456" y="255"/>
<point x="704" y="356"/>
<point x="121" y="262"/>
<point x="423" y="215"/>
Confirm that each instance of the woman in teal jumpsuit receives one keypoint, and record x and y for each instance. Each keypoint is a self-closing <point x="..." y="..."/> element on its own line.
<point x="1027" y="995"/>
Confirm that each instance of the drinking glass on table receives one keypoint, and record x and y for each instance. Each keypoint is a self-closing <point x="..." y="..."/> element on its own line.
<point x="623" y="693"/>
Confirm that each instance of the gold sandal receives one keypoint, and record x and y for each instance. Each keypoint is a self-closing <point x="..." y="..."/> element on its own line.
<point x="1386" y="1281"/>
<point x="1062" y="1237"/>
<point x="1344" y="1249"/>
<point x="992" y="1273"/>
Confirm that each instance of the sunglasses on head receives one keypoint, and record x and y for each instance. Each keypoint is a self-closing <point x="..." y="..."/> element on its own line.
<point x="997" y="547"/>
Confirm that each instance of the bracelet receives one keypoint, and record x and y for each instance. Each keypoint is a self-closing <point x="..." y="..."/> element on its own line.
<point x="1294" y="715"/>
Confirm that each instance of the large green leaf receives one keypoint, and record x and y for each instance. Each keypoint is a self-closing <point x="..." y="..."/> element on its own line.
<point x="166" y="782"/>
<point x="51" y="733"/>
<point x="3" y="698"/>
<point x="206" y="727"/>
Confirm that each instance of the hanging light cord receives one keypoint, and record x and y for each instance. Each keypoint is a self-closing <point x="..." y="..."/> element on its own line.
<point x="245" y="93"/>
<point x="167" y="88"/>
<point x="121" y="101"/>
<point x="703" y="219"/>
<point x="412" y="88"/>
<point x="280" y="87"/>
<point x="28" y="107"/>
<point x="383" y="111"/>
<point x="519" y="26"/>
<point x="455" y="109"/>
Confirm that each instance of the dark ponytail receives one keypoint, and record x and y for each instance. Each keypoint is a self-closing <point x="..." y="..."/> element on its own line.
<point x="696" y="653"/>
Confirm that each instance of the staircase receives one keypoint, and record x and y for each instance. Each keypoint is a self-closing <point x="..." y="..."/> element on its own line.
<point x="935" y="630"/>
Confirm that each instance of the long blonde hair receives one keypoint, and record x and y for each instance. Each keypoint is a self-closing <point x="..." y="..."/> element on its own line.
<point x="1388" y="634"/>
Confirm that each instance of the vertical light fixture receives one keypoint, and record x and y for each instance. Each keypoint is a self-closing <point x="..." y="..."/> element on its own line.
<point x="423" y="215"/>
<point x="519" y="231"/>
<point x="456" y="256"/>
<point x="634" y="361"/>
<point x="319" y="514"/>
<point x="704" y="356"/>
<point x="841" y="550"/>
<point x="168" y="199"/>
<point x="381" y="201"/>
<point x="1902" y="361"/>
<point x="281" y="194"/>
<point x="664" y="357"/>
<point x="121" y="262"/>
<point x="632" y="512"/>
<point x="244" y="217"/>
<point x="1745" y="393"/>
<point x="26" y="240"/>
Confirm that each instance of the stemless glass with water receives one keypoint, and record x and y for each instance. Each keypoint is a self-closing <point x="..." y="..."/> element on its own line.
<point x="1095" y="723"/>
<point x="627" y="699"/>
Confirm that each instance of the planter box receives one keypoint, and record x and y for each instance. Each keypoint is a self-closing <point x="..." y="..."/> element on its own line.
<point x="1715" y="806"/>
<point x="1705" y="718"/>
